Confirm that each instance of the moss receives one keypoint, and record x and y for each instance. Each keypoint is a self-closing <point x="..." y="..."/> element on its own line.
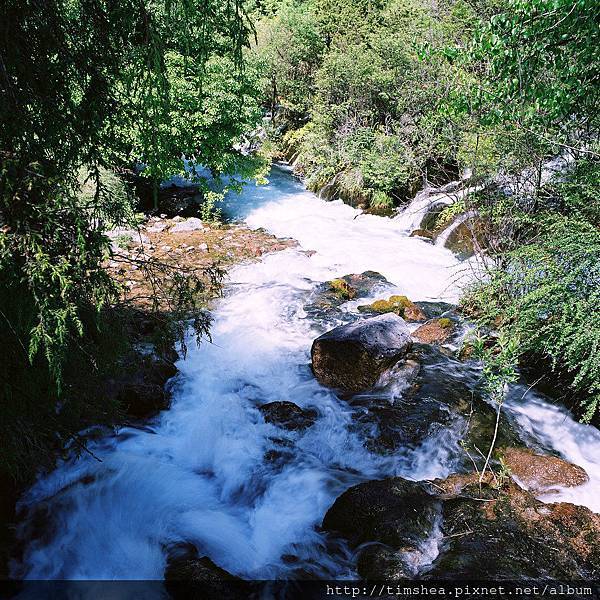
<point x="402" y="301"/>
<point x="395" y="304"/>
<point x="445" y="323"/>
<point x="342" y="289"/>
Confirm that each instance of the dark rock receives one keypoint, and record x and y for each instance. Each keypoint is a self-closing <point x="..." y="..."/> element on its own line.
<point x="288" y="415"/>
<point x="422" y="233"/>
<point x="433" y="310"/>
<point x="381" y="563"/>
<point x="394" y="512"/>
<point x="505" y="533"/>
<point x="492" y="530"/>
<point x="200" y="569"/>
<point x="184" y="567"/>
<point x="143" y="399"/>
<point x="401" y="425"/>
<point x="141" y="389"/>
<point x="353" y="357"/>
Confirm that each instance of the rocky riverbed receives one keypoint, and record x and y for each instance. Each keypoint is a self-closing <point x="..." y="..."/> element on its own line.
<point x="362" y="458"/>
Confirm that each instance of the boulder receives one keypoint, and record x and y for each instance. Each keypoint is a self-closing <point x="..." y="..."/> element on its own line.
<point x="435" y="331"/>
<point x="541" y="473"/>
<point x="190" y="224"/>
<point x="503" y="532"/>
<point x="353" y="357"/>
<point x="197" y="569"/>
<point x="394" y="511"/>
<point x="493" y="530"/>
<point x="141" y="388"/>
<point x="394" y="516"/>
<point x="400" y="305"/>
<point x="186" y="569"/>
<point x="329" y="296"/>
<point x="288" y="415"/>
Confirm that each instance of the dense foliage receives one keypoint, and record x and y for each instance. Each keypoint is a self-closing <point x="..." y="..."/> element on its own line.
<point x="537" y="67"/>
<point x="355" y="89"/>
<point x="87" y="86"/>
<point x="371" y="99"/>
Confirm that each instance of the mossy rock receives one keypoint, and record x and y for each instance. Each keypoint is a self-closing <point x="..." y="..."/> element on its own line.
<point x="400" y="305"/>
<point x="342" y="288"/>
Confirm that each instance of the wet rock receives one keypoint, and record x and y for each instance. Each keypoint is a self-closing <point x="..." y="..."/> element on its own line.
<point x="436" y="331"/>
<point x="288" y="415"/>
<point x="389" y="428"/>
<point x="503" y="533"/>
<point x="326" y="297"/>
<point x="190" y="224"/>
<point x="467" y="236"/>
<point x="423" y="233"/>
<point x="434" y="310"/>
<point x="394" y="511"/>
<point x="342" y="289"/>
<point x="141" y="389"/>
<point x="185" y="566"/>
<point x="394" y="515"/>
<point x="400" y="305"/>
<point x="541" y="473"/>
<point x="353" y="357"/>
<point x="381" y="563"/>
<point x="446" y="394"/>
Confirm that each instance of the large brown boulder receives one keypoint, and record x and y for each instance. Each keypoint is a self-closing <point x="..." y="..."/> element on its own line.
<point x="499" y="532"/>
<point x="489" y="530"/>
<point x="540" y="473"/>
<point x="352" y="357"/>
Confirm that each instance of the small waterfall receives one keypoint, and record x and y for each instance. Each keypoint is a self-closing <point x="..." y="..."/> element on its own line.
<point x="431" y="200"/>
<point x="442" y="239"/>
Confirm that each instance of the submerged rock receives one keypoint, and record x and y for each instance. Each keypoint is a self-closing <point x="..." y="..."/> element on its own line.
<point x="436" y="331"/>
<point x="288" y="415"/>
<point x="541" y="473"/>
<point x="400" y="305"/>
<point x="353" y="357"/>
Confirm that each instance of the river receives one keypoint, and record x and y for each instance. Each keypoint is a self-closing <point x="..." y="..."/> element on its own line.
<point x="197" y="472"/>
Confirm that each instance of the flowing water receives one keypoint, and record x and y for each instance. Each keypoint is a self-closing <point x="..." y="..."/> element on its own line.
<point x="198" y="473"/>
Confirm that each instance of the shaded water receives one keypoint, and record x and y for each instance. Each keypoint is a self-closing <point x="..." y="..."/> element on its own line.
<point x="198" y="472"/>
